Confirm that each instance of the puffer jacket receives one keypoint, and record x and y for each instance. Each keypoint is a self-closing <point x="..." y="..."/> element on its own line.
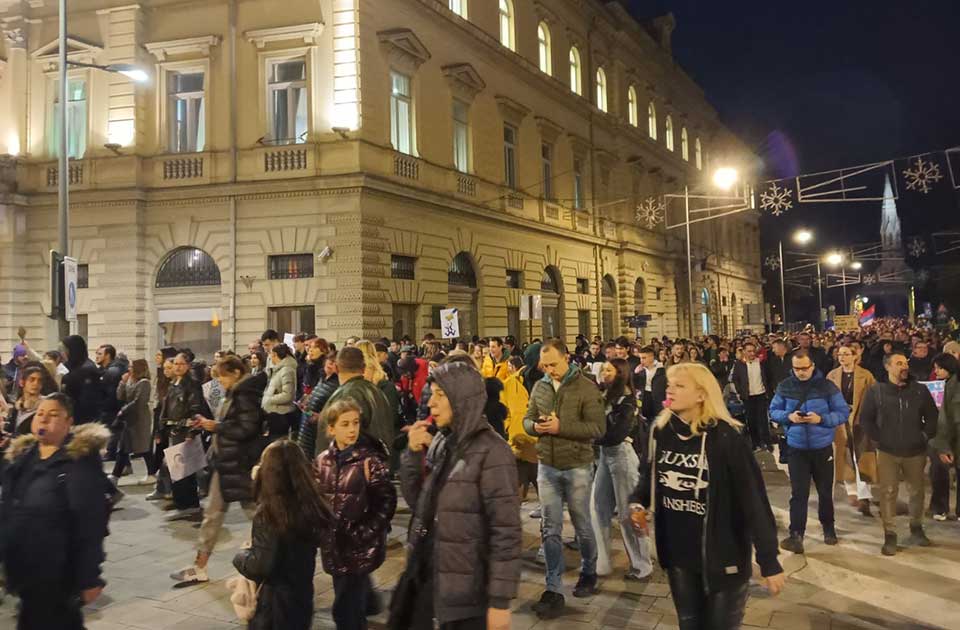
<point x="82" y="382"/>
<point x="238" y="442"/>
<point x="580" y="407"/>
<point x="822" y="398"/>
<point x="901" y="420"/>
<point x="280" y="394"/>
<point x="476" y="533"/>
<point x="362" y="507"/>
<point x="53" y="517"/>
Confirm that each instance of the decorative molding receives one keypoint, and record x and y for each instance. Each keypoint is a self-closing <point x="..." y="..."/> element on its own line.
<point x="545" y="14"/>
<point x="128" y="7"/>
<point x="192" y="45"/>
<point x="16" y="37"/>
<point x="309" y="33"/>
<point x="404" y="48"/>
<point x="77" y="49"/>
<point x="512" y="111"/>
<point x="465" y="82"/>
<point x="579" y="144"/>
<point x="549" y="130"/>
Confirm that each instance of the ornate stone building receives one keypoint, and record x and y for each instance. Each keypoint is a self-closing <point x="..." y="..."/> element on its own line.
<point x="352" y="166"/>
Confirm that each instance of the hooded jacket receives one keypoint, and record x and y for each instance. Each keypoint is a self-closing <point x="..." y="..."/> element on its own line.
<point x="516" y="398"/>
<point x="377" y="419"/>
<point x="474" y="558"/>
<point x="238" y="445"/>
<point x="818" y="395"/>
<point x="279" y="396"/>
<point x="53" y="516"/>
<point x="362" y="507"/>
<point x="901" y="420"/>
<point x="82" y="382"/>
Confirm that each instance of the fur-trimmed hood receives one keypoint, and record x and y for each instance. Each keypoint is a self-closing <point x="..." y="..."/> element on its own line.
<point x="84" y="440"/>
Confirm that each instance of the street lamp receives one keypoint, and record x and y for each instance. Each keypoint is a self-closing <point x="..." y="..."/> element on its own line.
<point x="800" y="237"/>
<point x="724" y="178"/>
<point x="838" y="259"/>
<point x="856" y="266"/>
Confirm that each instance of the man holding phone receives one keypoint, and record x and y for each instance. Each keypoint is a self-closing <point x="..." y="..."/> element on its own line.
<point x="810" y="408"/>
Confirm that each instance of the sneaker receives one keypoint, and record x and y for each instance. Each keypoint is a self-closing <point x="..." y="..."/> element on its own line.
<point x="550" y="605"/>
<point x="918" y="538"/>
<point x="147" y="480"/>
<point x="537" y="513"/>
<point x="940" y="517"/>
<point x="830" y="537"/>
<point x="586" y="586"/>
<point x="184" y="515"/>
<point x="190" y="575"/>
<point x="541" y="556"/>
<point x="636" y="576"/>
<point x="114" y="480"/>
<point x="792" y="543"/>
<point x="156" y="495"/>
<point x="889" y="544"/>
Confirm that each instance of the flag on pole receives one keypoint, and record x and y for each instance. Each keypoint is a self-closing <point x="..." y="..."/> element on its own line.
<point x="867" y="317"/>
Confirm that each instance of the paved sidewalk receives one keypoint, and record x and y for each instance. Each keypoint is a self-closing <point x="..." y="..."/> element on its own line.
<point x="840" y="588"/>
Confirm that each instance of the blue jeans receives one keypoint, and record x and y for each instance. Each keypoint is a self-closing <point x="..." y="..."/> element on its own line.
<point x="573" y="487"/>
<point x="618" y="471"/>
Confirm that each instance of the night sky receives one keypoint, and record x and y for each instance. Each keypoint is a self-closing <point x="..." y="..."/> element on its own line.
<point x="836" y="83"/>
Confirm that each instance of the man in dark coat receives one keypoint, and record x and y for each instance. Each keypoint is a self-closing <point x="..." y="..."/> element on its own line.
<point x="377" y="419"/>
<point x="112" y="368"/>
<point x="650" y="383"/>
<point x="777" y="364"/>
<point x="53" y="518"/>
<point x="750" y="380"/>
<point x="82" y="383"/>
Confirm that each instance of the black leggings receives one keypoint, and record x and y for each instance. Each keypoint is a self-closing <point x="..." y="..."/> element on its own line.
<point x="699" y="610"/>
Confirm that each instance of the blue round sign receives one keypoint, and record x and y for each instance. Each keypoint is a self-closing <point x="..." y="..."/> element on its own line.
<point x="72" y="294"/>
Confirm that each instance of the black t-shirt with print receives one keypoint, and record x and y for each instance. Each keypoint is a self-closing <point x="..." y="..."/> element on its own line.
<point x="682" y="508"/>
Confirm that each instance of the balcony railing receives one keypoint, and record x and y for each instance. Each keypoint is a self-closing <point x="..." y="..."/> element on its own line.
<point x="183" y="168"/>
<point x="74" y="175"/>
<point x="406" y="166"/>
<point x="466" y="185"/>
<point x="285" y="160"/>
<point x="515" y="201"/>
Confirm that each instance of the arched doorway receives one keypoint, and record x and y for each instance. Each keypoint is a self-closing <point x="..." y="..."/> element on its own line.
<point x="608" y="295"/>
<point x="463" y="293"/>
<point x="705" y="311"/>
<point x="551" y="286"/>
<point x="187" y="300"/>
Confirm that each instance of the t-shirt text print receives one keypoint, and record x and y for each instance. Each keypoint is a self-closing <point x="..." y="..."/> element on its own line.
<point x="677" y="476"/>
<point x="681" y="497"/>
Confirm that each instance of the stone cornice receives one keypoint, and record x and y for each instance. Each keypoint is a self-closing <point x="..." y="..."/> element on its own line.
<point x="308" y="33"/>
<point x="465" y="82"/>
<point x="192" y="45"/>
<point x="512" y="111"/>
<point x="404" y="48"/>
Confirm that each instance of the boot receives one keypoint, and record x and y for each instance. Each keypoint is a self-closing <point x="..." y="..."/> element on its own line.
<point x="917" y="537"/>
<point x="830" y="536"/>
<point x="792" y="543"/>
<point x="889" y="544"/>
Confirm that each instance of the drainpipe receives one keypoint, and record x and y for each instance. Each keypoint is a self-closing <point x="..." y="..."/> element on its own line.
<point x="234" y="163"/>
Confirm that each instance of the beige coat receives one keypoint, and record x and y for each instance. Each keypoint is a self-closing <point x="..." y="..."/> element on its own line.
<point x="862" y="380"/>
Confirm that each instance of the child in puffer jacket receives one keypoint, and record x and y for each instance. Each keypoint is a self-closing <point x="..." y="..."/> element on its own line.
<point x="354" y="478"/>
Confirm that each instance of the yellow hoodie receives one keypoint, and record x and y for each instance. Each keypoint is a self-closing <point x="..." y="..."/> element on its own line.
<point x="516" y="399"/>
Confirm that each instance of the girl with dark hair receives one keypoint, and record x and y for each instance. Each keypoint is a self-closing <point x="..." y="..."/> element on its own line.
<point x="618" y="470"/>
<point x="257" y="362"/>
<point x="35" y="382"/>
<point x="287" y="524"/>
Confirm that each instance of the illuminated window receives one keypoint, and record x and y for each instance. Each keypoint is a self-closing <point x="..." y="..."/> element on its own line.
<point x="459" y="7"/>
<point x="633" y="115"/>
<point x="575" y="71"/>
<point x="669" y="132"/>
<point x="601" y="89"/>
<point x="287" y="98"/>
<point x="401" y="113"/>
<point x="506" y="24"/>
<point x="698" y="153"/>
<point x="652" y="120"/>
<point x="684" y="144"/>
<point x="543" y="37"/>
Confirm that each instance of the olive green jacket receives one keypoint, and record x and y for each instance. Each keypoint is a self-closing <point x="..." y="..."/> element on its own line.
<point x="579" y="405"/>
<point x="947" y="439"/>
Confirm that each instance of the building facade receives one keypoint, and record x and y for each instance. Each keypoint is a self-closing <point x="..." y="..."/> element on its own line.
<point x="350" y="167"/>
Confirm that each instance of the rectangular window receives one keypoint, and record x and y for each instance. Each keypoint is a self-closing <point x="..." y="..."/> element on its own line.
<point x="83" y="276"/>
<point x="577" y="184"/>
<point x="76" y="119"/>
<point x="401" y="113"/>
<point x="510" y="156"/>
<point x="459" y="7"/>
<point x="546" y="157"/>
<point x="292" y="319"/>
<point x="514" y="279"/>
<point x="583" y="286"/>
<point x="583" y="323"/>
<point x="186" y="112"/>
<point x="403" y="267"/>
<point x="291" y="266"/>
<point x="461" y="136"/>
<point x="287" y="101"/>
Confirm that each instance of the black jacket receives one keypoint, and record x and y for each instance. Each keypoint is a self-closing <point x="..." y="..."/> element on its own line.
<point x="819" y="357"/>
<point x="738" y="510"/>
<point x="778" y="370"/>
<point x="109" y="380"/>
<point x="238" y="438"/>
<point x="658" y="390"/>
<point x="741" y="380"/>
<point x="901" y="420"/>
<point x="466" y="533"/>
<point x="183" y="401"/>
<point x="82" y="383"/>
<point x="283" y="567"/>
<point x="621" y="416"/>
<point x="53" y="517"/>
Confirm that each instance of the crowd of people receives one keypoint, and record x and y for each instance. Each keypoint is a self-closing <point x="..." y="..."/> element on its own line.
<point x="316" y="443"/>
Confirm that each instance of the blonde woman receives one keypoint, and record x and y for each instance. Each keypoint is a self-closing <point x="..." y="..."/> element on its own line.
<point x="374" y="372"/>
<point x="709" y="503"/>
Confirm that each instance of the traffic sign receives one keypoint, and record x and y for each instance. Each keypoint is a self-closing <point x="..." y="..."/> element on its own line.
<point x="70" y="288"/>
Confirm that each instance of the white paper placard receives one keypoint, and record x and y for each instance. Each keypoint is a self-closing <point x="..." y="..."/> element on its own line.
<point x="450" y="323"/>
<point x="185" y="459"/>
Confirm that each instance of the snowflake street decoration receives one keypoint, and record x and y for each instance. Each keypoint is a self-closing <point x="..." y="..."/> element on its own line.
<point x="870" y="279"/>
<point x="651" y="212"/>
<point x="917" y="247"/>
<point x="922" y="176"/>
<point x="923" y="276"/>
<point x="777" y="200"/>
<point x="772" y="262"/>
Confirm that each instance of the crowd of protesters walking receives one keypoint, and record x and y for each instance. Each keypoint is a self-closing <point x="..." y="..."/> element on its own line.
<point x="316" y="444"/>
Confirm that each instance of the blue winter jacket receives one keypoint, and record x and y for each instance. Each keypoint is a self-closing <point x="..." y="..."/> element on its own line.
<point x="823" y="399"/>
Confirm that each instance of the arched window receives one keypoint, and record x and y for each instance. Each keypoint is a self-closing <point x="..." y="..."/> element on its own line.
<point x="705" y="315"/>
<point x="575" y="71"/>
<point x="546" y="51"/>
<point x="652" y="120"/>
<point x="632" y="112"/>
<point x="609" y="287"/>
<point x="551" y="287"/>
<point x="188" y="267"/>
<point x="684" y="144"/>
<point x="460" y="273"/>
<point x="669" y="133"/>
<point x="506" y="24"/>
<point x="549" y="283"/>
<point x="601" y="89"/>
<point x="639" y="296"/>
<point x="698" y="153"/>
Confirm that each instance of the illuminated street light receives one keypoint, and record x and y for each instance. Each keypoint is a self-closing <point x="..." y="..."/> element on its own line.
<point x="856" y="266"/>
<point x="724" y="178"/>
<point x="128" y="70"/>
<point x="802" y="237"/>
<point x="836" y="258"/>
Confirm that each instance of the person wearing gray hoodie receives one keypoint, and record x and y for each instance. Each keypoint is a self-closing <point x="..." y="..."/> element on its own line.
<point x="465" y="535"/>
